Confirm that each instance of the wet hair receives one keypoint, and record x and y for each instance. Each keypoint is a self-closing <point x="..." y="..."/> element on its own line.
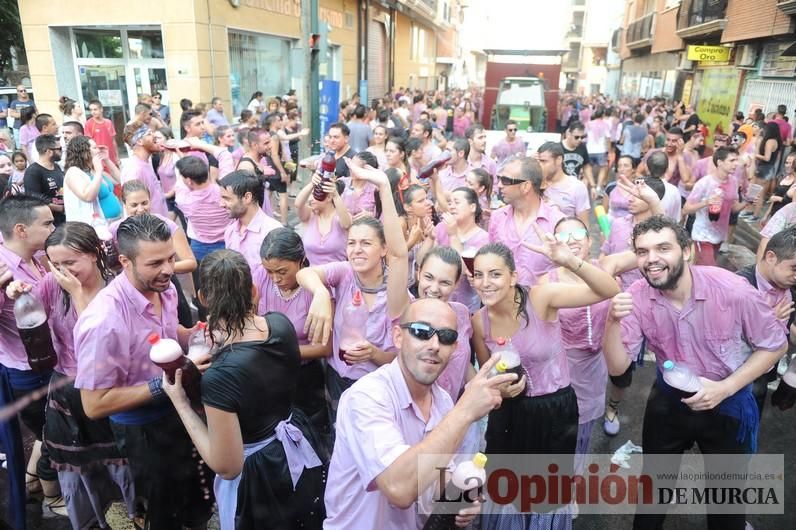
<point x="484" y="179"/>
<point x="520" y="291"/>
<point x="657" y="164"/>
<point x="447" y="254"/>
<point x="677" y="131"/>
<point x="18" y="209"/>
<point x="394" y="178"/>
<point x="657" y="223"/>
<point x="133" y="186"/>
<point x="373" y="223"/>
<point x="284" y="243"/>
<point x="342" y="127"/>
<point x="783" y="244"/>
<point x="462" y="144"/>
<point x="226" y="281"/>
<point x="78" y="154"/>
<point x="472" y="198"/>
<point x="722" y="153"/>
<point x="572" y="218"/>
<point x="186" y="104"/>
<point x="576" y="126"/>
<point x="369" y="158"/>
<point x="82" y="238"/>
<point x="42" y="120"/>
<point x="243" y="182"/>
<point x="193" y="168"/>
<point x="75" y="125"/>
<point x="44" y="142"/>
<point x="770" y="132"/>
<point x="140" y="228"/>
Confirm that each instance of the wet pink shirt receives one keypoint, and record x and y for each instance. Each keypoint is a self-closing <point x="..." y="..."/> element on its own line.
<point x="296" y="307"/>
<point x="453" y="377"/>
<point x="620" y="241"/>
<point x="250" y="240"/>
<point x="340" y="278"/>
<point x="377" y="421"/>
<point x="712" y="334"/>
<point x="207" y="220"/>
<point x="570" y="195"/>
<point x="503" y="149"/>
<point x="12" y="352"/>
<point x="487" y="163"/>
<point x="111" y="336"/>
<point x="325" y="248"/>
<point x="359" y="201"/>
<point x="136" y="169"/>
<point x="503" y="229"/>
<point x="784" y="218"/>
<point x="167" y="173"/>
<point x="449" y="180"/>
<point x="618" y="203"/>
<point x="541" y="351"/>
<point x="704" y="229"/>
<point x="773" y="294"/>
<point x="62" y="323"/>
<point x="464" y="292"/>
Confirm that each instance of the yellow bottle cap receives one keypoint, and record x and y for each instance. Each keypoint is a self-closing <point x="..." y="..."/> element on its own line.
<point x="479" y="460"/>
<point x="501" y="367"/>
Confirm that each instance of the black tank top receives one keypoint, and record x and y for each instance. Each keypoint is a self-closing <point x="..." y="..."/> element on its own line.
<point x="257" y="171"/>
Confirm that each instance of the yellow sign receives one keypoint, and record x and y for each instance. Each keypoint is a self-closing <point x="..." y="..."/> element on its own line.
<point x="708" y="53"/>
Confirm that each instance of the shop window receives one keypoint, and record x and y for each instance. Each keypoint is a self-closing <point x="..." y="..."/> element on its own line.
<point x="145" y="44"/>
<point x="258" y="62"/>
<point x="98" y="44"/>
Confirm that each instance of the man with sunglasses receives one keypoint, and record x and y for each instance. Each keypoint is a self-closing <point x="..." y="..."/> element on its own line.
<point x="390" y="417"/>
<point x="509" y="146"/>
<point x="520" y="186"/>
<point x="576" y="157"/>
<point x="45" y="177"/>
<point x="16" y="107"/>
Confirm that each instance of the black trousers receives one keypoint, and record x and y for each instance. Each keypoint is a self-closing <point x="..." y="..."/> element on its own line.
<point x="672" y="428"/>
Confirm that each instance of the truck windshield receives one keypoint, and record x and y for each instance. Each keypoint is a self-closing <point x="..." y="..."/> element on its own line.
<point x="521" y="94"/>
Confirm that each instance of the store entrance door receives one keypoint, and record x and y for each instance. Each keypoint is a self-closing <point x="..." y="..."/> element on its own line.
<point x="108" y="84"/>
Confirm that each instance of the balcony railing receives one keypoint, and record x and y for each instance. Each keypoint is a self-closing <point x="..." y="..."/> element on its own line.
<point x="575" y="31"/>
<point x="639" y="32"/>
<point x="701" y="17"/>
<point x="787" y="6"/>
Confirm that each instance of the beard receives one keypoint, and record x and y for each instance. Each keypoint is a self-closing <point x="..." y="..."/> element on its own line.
<point x="671" y="280"/>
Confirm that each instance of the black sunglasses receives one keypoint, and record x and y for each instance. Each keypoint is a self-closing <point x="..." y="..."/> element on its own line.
<point x="510" y="181"/>
<point x="511" y="130"/>
<point x="423" y="331"/>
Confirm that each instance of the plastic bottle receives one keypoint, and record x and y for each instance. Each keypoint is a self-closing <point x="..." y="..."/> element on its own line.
<point x="784" y="397"/>
<point x="427" y="170"/>
<point x="510" y="362"/>
<point x="355" y="315"/>
<point x="104" y="233"/>
<point x="714" y="205"/>
<point x="603" y="220"/>
<point x="682" y="380"/>
<point x="468" y="476"/>
<point x="198" y="342"/>
<point x="34" y="331"/>
<point x="168" y="354"/>
<point x="328" y="165"/>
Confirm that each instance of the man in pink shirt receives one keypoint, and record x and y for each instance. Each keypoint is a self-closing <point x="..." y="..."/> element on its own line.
<point x="390" y="417"/>
<point x="476" y="135"/>
<point x="509" y="146"/>
<point x="139" y="166"/>
<point x="521" y="188"/>
<point x="25" y="223"/>
<point x="785" y="130"/>
<point x="703" y="318"/>
<point x="565" y="191"/>
<point x="242" y="196"/>
<point x="117" y="379"/>
<point x="454" y="174"/>
<point x="424" y="131"/>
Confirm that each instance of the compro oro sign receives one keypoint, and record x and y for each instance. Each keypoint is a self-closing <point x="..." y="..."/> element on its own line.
<point x="708" y="53"/>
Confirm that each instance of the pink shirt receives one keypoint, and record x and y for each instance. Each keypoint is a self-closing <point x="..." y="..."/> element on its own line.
<point x="784" y="218"/>
<point x="377" y="421"/>
<point x="773" y="294"/>
<point x="503" y="229"/>
<point x="449" y="180"/>
<point x="570" y="195"/>
<point x="619" y="241"/>
<point x="114" y="226"/>
<point x="701" y="168"/>
<point x="618" y="203"/>
<point x="167" y="174"/>
<point x="704" y="229"/>
<point x="784" y="129"/>
<point x="714" y="331"/>
<point x="136" y="169"/>
<point x="62" y="323"/>
<point x="111" y="336"/>
<point x="207" y="220"/>
<point x="296" y="307"/>
<point x="325" y="248"/>
<point x="487" y="163"/>
<point x="12" y="352"/>
<point x="359" y="201"/>
<point x="541" y="351"/>
<point x="503" y="149"/>
<point x="464" y="292"/>
<point x="453" y="377"/>
<point x="341" y="279"/>
<point x="250" y="239"/>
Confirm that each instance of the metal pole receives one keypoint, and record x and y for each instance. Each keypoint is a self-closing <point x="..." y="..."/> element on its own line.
<point x="314" y="92"/>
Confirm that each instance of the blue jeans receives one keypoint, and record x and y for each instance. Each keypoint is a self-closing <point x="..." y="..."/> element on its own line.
<point x="200" y="250"/>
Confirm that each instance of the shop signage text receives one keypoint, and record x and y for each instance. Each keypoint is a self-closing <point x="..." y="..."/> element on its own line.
<point x="708" y="53"/>
<point x="292" y="8"/>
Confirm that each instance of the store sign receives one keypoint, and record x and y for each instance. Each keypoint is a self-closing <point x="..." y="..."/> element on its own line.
<point x="718" y="93"/>
<point x="708" y="53"/>
<point x="292" y="8"/>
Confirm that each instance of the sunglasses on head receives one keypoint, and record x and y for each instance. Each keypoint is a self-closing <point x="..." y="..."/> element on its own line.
<point x="510" y="181"/>
<point x="423" y="331"/>
<point x="578" y="234"/>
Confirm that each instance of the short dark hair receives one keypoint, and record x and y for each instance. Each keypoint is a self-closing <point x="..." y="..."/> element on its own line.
<point x="142" y="107"/>
<point x="76" y="125"/>
<point x="245" y="115"/>
<point x="656" y="185"/>
<point x="722" y="153"/>
<point x="243" y="182"/>
<point x="42" y="120"/>
<point x="510" y="122"/>
<point x="139" y="228"/>
<point x="448" y="255"/>
<point x="187" y="116"/>
<point x="427" y="127"/>
<point x="576" y="126"/>
<point x="782" y="109"/>
<point x="554" y="148"/>
<point x="472" y="130"/>
<point x="44" y="142"/>
<point x="657" y="164"/>
<point x="360" y="111"/>
<point x="254" y="134"/>
<point x="783" y="244"/>
<point x="342" y="127"/>
<point x="193" y="168"/>
<point x="531" y="171"/>
<point x="462" y="144"/>
<point x="369" y="158"/>
<point x="186" y="104"/>
<point x="284" y="243"/>
<point x="95" y="102"/>
<point x="18" y="209"/>
<point x="677" y="131"/>
<point x="656" y="223"/>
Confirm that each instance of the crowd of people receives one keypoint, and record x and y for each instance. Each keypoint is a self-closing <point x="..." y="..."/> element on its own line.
<point x="344" y="341"/>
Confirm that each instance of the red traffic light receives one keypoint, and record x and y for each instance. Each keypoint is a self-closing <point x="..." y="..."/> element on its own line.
<point x="314" y="39"/>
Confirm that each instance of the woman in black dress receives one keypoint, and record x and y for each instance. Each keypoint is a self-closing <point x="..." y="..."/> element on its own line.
<point x="261" y="447"/>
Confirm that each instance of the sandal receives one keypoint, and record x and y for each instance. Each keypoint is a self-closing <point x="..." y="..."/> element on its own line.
<point x="53" y="507"/>
<point x="33" y="487"/>
<point x="611" y="425"/>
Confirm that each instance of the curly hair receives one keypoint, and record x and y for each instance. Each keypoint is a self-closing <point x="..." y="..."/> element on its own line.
<point x="78" y="153"/>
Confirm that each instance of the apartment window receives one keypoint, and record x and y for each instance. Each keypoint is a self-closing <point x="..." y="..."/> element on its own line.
<point x="420" y="44"/>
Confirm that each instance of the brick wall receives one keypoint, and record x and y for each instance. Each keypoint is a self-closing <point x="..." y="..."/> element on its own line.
<point x="665" y="39"/>
<point x="752" y="19"/>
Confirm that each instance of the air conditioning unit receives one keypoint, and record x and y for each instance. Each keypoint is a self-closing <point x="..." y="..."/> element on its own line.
<point x="746" y="56"/>
<point x="685" y="64"/>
